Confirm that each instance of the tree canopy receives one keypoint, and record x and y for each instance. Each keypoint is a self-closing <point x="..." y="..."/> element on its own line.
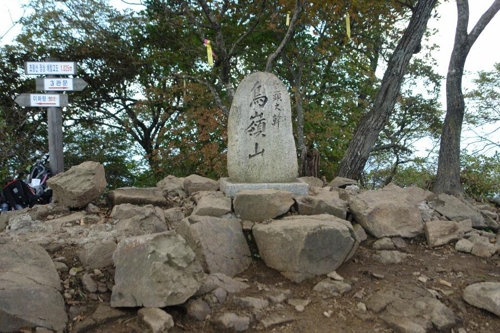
<point x="154" y="106"/>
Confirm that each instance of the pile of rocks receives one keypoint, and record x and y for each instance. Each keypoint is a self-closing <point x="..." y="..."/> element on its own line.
<point x="183" y="242"/>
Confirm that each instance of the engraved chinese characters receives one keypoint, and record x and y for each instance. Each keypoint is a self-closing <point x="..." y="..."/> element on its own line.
<point x="261" y="146"/>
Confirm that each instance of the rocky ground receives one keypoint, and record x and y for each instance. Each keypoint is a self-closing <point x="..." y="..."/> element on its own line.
<point x="298" y="308"/>
<point x="391" y="284"/>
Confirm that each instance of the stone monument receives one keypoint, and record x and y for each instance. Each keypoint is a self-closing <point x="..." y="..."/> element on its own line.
<point x="261" y="148"/>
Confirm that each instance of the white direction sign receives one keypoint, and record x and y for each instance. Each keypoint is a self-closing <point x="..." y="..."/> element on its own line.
<point x="42" y="100"/>
<point x="50" y="68"/>
<point x="60" y="84"/>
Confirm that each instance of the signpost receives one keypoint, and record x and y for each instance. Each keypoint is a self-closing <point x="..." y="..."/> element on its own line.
<point x="52" y="101"/>
<point x="42" y="100"/>
<point x="50" y="68"/>
<point x="60" y="84"/>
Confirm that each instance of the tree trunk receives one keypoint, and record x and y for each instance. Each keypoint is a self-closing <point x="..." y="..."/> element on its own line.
<point x="373" y="122"/>
<point x="448" y="173"/>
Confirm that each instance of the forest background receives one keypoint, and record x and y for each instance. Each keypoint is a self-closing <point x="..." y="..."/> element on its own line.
<point x="154" y="106"/>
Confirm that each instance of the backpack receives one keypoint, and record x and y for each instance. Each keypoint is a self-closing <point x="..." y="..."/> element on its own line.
<point x="19" y="195"/>
<point x="37" y="179"/>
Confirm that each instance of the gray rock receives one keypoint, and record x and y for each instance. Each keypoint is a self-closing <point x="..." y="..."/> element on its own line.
<point x="301" y="247"/>
<point x="464" y="245"/>
<point x="29" y="280"/>
<point x="360" y="232"/>
<point x="137" y="196"/>
<point x="80" y="185"/>
<point x="219" y="244"/>
<point x="341" y="182"/>
<point x="212" y="204"/>
<point x="232" y="321"/>
<point x="389" y="257"/>
<point x="323" y="201"/>
<point x="173" y="216"/>
<point x="484" y="295"/>
<point x="457" y="210"/>
<point x="251" y="302"/>
<point x="97" y="254"/>
<point x="275" y="319"/>
<point x="88" y="283"/>
<point x="133" y="220"/>
<point x="195" y="183"/>
<point x="198" y="309"/>
<point x="67" y="220"/>
<point x="219" y="280"/>
<point x="172" y="187"/>
<point x="270" y="203"/>
<point x="155" y="270"/>
<point x="261" y="147"/>
<point x="439" y="232"/>
<point x="312" y="181"/>
<point x="483" y="250"/>
<point x="400" y="243"/>
<point x="384" y="244"/>
<point x="102" y="315"/>
<point x="157" y="320"/>
<point x="333" y="288"/>
<point x="391" y="211"/>
<point x="411" y="310"/>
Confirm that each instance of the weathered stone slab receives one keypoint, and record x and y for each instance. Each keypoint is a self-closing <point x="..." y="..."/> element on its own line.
<point x="133" y="220"/>
<point x="219" y="244"/>
<point x="29" y="289"/>
<point x="411" y="310"/>
<point x="231" y="188"/>
<point x="213" y="203"/>
<point x="439" y="232"/>
<point x="457" y="210"/>
<point x="97" y="254"/>
<point x="260" y="205"/>
<point x="138" y="196"/>
<point x="195" y="183"/>
<point x="261" y="147"/>
<point x="301" y="247"/>
<point x="172" y="186"/>
<point x="324" y="201"/>
<point x="155" y="271"/>
<point x="80" y="185"/>
<point x="484" y="295"/>
<point x="391" y="211"/>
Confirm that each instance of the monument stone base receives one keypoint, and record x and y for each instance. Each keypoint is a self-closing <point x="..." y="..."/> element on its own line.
<point x="230" y="188"/>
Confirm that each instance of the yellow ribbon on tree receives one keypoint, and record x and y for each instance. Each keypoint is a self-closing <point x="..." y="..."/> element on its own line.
<point x="348" y="25"/>
<point x="209" y="52"/>
<point x="287" y="19"/>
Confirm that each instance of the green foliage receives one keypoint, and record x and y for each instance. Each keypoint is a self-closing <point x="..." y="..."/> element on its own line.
<point x="480" y="175"/>
<point x="153" y="106"/>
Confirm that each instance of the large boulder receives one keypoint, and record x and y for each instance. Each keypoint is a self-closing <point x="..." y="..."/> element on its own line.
<point x="261" y="205"/>
<point x="137" y="196"/>
<point x="219" y="244"/>
<point x="29" y="289"/>
<point x="388" y="212"/>
<point x="302" y="247"/>
<point x="155" y="270"/>
<point x="80" y="185"/>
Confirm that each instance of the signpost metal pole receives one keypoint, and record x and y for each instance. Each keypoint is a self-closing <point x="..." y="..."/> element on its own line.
<point x="54" y="118"/>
